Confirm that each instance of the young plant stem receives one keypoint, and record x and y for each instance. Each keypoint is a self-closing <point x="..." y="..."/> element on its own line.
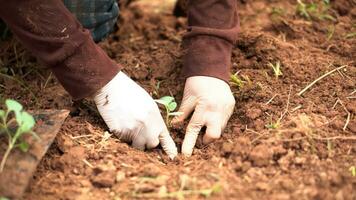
<point x="167" y="116"/>
<point x="6" y="155"/>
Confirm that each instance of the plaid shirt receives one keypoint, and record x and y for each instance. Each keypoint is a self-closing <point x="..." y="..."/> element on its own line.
<point x="99" y="16"/>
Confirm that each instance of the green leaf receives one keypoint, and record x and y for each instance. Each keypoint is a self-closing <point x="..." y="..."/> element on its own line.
<point x="172" y="106"/>
<point x="4" y="198"/>
<point x="23" y="146"/>
<point x="13" y="105"/>
<point x="166" y="100"/>
<point x="28" y="122"/>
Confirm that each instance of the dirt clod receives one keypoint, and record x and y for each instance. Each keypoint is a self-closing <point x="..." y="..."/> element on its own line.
<point x="261" y="155"/>
<point x="104" y="179"/>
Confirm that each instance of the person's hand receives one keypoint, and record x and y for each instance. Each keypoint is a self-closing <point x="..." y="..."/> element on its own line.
<point x="132" y="115"/>
<point x="212" y="102"/>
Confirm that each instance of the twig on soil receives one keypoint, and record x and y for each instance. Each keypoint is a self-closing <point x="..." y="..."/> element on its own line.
<point x="317" y="138"/>
<point x="318" y="79"/>
<point x="296" y="108"/>
<point x="269" y="101"/>
<point x="87" y="163"/>
<point x="336" y="102"/>
<point x="287" y="107"/>
<point x="348" y="113"/>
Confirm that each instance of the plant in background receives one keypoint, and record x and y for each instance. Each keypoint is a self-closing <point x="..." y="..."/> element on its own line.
<point x="315" y="10"/>
<point x="170" y="105"/>
<point x="14" y="123"/>
<point x="353" y="170"/>
<point x="277" y="71"/>
<point x="273" y="125"/>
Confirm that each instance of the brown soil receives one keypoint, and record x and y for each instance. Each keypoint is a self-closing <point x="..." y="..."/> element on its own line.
<point x="307" y="156"/>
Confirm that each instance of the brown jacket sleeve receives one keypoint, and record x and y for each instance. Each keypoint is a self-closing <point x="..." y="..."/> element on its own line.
<point x="48" y="30"/>
<point x="213" y="26"/>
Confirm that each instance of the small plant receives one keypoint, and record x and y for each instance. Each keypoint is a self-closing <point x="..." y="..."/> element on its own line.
<point x="15" y="123"/>
<point x="170" y="105"/>
<point x="277" y="71"/>
<point x="314" y="10"/>
<point x="273" y="125"/>
<point x="305" y="10"/>
<point x="276" y="11"/>
<point x="353" y="170"/>
<point x="236" y="80"/>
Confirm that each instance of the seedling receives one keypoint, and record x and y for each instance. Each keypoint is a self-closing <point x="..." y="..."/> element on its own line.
<point x="314" y="10"/>
<point x="305" y="10"/>
<point x="273" y="125"/>
<point x="170" y="105"/>
<point x="236" y="80"/>
<point x="21" y="123"/>
<point x="277" y="71"/>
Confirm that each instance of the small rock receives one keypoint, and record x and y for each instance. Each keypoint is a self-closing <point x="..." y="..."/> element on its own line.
<point x="227" y="147"/>
<point x="245" y="166"/>
<point x="287" y="184"/>
<point x="120" y="176"/>
<point x="104" y="179"/>
<point x="300" y="160"/>
<point x="352" y="126"/>
<point x="261" y="155"/>
<point x="262" y="186"/>
<point x="64" y="143"/>
<point x="253" y="113"/>
<point x="335" y="178"/>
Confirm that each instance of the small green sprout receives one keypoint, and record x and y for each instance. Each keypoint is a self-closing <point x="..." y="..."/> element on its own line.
<point x="314" y="10"/>
<point x="273" y="125"/>
<point x="4" y="198"/>
<point x="23" y="122"/>
<point x="277" y="71"/>
<point x="305" y="10"/>
<point x="170" y="105"/>
<point x="352" y="169"/>
<point x="276" y="11"/>
<point x="236" y="80"/>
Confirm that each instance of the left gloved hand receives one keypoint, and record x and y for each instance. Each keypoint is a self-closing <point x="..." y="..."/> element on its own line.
<point x="213" y="104"/>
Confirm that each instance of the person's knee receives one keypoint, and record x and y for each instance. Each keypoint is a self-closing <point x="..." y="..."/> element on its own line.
<point x="98" y="16"/>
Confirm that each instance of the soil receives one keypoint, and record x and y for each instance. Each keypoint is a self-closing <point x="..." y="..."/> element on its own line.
<point x="307" y="155"/>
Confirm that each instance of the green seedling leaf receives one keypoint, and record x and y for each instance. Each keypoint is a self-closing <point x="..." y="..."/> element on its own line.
<point x="172" y="106"/>
<point x="27" y="122"/>
<point x="13" y="105"/>
<point x="2" y="113"/>
<point x="23" y="146"/>
<point x="236" y="80"/>
<point x="166" y="100"/>
<point x="4" y="198"/>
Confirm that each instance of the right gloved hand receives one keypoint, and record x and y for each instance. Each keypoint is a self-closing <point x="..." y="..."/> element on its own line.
<point x="132" y="115"/>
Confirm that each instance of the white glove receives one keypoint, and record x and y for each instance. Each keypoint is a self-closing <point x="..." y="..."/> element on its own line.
<point x="132" y="115"/>
<point x="212" y="102"/>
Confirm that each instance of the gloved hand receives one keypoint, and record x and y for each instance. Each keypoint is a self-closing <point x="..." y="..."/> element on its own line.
<point x="132" y="115"/>
<point x="212" y="102"/>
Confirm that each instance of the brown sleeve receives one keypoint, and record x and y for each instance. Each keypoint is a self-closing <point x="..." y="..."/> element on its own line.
<point x="213" y="26"/>
<point x="48" y="30"/>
